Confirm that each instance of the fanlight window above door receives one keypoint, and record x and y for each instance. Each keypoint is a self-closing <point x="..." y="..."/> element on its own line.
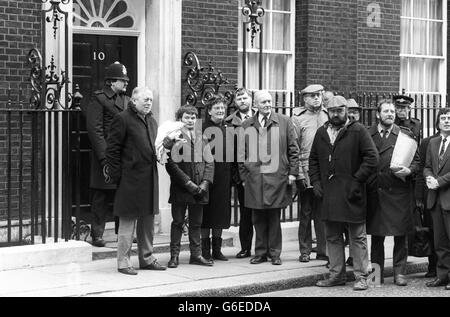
<point x="102" y="14"/>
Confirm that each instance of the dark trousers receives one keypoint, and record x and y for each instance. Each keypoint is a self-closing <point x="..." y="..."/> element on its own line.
<point x="432" y="259"/>
<point x="441" y="226"/>
<point x="310" y="210"/>
<point x="102" y="199"/>
<point x="195" y="215"/>
<point x="268" y="232"/>
<point x="245" y="221"/>
<point x="399" y="257"/>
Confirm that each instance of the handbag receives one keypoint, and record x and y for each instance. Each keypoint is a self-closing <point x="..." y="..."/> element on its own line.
<point x="420" y="238"/>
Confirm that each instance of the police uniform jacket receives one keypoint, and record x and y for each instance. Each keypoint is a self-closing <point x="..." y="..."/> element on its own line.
<point x="104" y="105"/>
<point x="412" y="124"/>
<point x="391" y="200"/>
<point x="131" y="158"/>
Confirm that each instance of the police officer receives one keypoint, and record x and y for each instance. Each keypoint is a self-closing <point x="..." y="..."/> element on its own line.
<point x="402" y="110"/>
<point x="353" y="110"/>
<point x="103" y="106"/>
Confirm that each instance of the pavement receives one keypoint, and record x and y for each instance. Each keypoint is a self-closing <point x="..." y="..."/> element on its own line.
<point x="236" y="277"/>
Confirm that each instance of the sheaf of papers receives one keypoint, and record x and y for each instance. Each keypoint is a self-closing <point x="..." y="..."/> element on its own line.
<point x="404" y="151"/>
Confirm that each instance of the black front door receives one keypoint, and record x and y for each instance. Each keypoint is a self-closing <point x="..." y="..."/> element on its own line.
<point x="91" y="55"/>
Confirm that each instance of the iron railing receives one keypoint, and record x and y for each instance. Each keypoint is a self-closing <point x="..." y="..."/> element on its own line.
<point x="425" y="109"/>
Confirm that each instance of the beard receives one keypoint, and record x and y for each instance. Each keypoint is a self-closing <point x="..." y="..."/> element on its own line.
<point x="336" y="121"/>
<point x="387" y="124"/>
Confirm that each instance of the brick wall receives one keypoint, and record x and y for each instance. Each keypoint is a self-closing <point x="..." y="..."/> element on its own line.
<point x="336" y="47"/>
<point x="20" y="30"/>
<point x="331" y="45"/>
<point x="448" y="50"/>
<point x="379" y="48"/>
<point x="210" y="29"/>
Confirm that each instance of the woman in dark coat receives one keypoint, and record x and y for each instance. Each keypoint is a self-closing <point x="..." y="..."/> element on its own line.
<point x="217" y="214"/>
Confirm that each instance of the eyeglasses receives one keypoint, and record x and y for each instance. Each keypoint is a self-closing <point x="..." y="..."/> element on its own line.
<point x="313" y="94"/>
<point x="337" y="110"/>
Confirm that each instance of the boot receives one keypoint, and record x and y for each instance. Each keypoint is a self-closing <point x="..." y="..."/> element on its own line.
<point x="206" y="248"/>
<point x="216" y="246"/>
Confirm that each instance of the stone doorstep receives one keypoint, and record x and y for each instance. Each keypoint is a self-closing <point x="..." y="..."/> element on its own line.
<point x="44" y="254"/>
<point x="307" y="280"/>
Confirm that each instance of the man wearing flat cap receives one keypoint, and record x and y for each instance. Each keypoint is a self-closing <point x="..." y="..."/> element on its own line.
<point x="402" y="110"/>
<point x="342" y="158"/>
<point x="306" y="121"/>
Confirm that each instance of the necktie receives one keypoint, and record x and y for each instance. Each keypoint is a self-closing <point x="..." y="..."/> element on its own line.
<point x="264" y="121"/>
<point x="442" y="151"/>
<point x="385" y="134"/>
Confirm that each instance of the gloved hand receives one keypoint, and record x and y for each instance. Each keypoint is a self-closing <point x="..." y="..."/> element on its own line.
<point x="192" y="188"/>
<point x="301" y="184"/>
<point x="355" y="191"/>
<point x="317" y="189"/>
<point x="168" y="143"/>
<point x="203" y="189"/>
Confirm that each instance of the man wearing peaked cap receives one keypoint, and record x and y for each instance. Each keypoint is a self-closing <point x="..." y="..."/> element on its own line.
<point x="402" y="109"/>
<point x="306" y="121"/>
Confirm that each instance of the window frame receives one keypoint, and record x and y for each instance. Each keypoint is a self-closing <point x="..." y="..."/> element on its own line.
<point x="290" y="64"/>
<point x="442" y="79"/>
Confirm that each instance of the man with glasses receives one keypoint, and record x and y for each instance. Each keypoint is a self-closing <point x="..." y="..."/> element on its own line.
<point x="342" y="158"/>
<point x="306" y="121"/>
<point x="104" y="105"/>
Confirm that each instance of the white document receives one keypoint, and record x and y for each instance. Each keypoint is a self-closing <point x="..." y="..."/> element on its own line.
<point x="404" y="151"/>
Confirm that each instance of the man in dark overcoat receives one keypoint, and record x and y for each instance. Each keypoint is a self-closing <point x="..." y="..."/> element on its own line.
<point x="270" y="169"/>
<point x="191" y="169"/>
<point x="437" y="176"/>
<point x="342" y="158"/>
<point x="104" y="105"/>
<point x="391" y="194"/>
<point x="243" y="102"/>
<point x="421" y="194"/>
<point x="131" y="163"/>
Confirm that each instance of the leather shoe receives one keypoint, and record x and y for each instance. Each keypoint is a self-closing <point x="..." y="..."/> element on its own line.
<point x="321" y="257"/>
<point x="243" y="254"/>
<point x="276" y="261"/>
<point x="127" y="271"/>
<point x="100" y="243"/>
<point x="430" y="274"/>
<point x="304" y="258"/>
<point x="154" y="266"/>
<point x="199" y="260"/>
<point x="330" y="282"/>
<point x="436" y="283"/>
<point x="447" y="287"/>
<point x="400" y="280"/>
<point x="173" y="262"/>
<point x="258" y="260"/>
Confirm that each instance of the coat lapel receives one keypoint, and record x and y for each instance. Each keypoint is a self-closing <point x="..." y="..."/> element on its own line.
<point x="390" y="142"/>
<point x="446" y="155"/>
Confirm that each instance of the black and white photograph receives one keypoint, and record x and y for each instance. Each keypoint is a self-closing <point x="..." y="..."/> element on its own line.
<point x="224" y="156"/>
